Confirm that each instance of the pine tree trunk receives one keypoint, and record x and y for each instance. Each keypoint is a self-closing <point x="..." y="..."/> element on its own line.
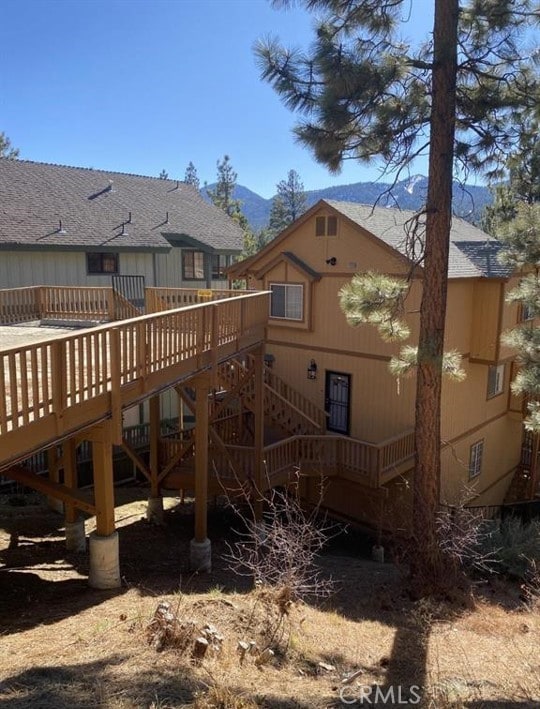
<point x="427" y="567"/>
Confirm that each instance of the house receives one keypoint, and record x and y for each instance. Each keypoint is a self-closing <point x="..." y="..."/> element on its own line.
<point x="72" y="226"/>
<point x="345" y="370"/>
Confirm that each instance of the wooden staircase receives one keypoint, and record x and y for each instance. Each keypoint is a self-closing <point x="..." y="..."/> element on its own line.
<point x="284" y="407"/>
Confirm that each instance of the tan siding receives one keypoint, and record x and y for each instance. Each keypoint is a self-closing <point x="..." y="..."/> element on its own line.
<point x="465" y="404"/>
<point x="485" y="335"/>
<point x="459" y="316"/>
<point x="380" y="406"/>
<point x="502" y="440"/>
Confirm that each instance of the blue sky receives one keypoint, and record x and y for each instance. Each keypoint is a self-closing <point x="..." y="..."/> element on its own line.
<point x="141" y="85"/>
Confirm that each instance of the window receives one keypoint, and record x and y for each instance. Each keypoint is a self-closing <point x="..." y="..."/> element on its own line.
<point x="495" y="380"/>
<point x="287" y="301"/>
<point x="325" y="226"/>
<point x="219" y="264"/>
<point x="526" y="312"/>
<point x="99" y="263"/>
<point x="193" y="265"/>
<point x="475" y="459"/>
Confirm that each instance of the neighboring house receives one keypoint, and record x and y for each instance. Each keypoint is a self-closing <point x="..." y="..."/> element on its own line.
<point x="345" y="369"/>
<point x="72" y="226"/>
<point x="79" y="226"/>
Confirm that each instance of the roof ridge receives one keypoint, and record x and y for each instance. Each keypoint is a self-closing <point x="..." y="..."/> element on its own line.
<point x="90" y="169"/>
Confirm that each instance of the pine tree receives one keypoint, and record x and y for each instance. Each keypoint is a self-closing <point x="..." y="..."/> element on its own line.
<point x="514" y="218"/>
<point x="523" y="183"/>
<point x="222" y="195"/>
<point x="6" y="149"/>
<point x="364" y="93"/>
<point x="288" y="204"/>
<point x="191" y="177"/>
<point x="164" y="175"/>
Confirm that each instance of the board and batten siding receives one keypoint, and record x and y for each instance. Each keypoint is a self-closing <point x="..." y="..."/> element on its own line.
<point x="65" y="268"/>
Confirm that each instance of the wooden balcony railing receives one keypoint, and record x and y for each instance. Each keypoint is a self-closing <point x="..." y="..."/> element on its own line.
<point x="95" y="304"/>
<point x="50" y="388"/>
<point x="159" y="299"/>
<point x="19" y="305"/>
<point x="366" y="463"/>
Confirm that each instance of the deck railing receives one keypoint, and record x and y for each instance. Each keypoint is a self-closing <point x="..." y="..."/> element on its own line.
<point x="19" y="305"/>
<point x="111" y="366"/>
<point x="95" y="304"/>
<point x="326" y="455"/>
<point x="159" y="299"/>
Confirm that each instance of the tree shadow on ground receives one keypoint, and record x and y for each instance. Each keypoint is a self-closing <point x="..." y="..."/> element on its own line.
<point x="97" y="684"/>
<point x="41" y="582"/>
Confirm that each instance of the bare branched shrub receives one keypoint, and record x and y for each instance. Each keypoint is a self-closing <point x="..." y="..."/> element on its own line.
<point x="530" y="589"/>
<point x="463" y="533"/>
<point x="515" y="546"/>
<point x="280" y="551"/>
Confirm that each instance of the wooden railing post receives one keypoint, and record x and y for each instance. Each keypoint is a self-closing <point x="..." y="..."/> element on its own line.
<point x="258" y="403"/>
<point x="111" y="314"/>
<point x="58" y="382"/>
<point x="214" y="341"/>
<point x="116" y="383"/>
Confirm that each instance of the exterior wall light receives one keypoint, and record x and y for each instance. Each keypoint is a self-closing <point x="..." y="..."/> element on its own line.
<point x="312" y="370"/>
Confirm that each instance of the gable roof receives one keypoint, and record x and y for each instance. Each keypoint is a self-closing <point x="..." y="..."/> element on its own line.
<point x="92" y="205"/>
<point x="472" y="252"/>
<point x="295" y="261"/>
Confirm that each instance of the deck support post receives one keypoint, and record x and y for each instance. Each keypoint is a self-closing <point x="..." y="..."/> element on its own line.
<point x="258" y="465"/>
<point x="104" y="555"/>
<point x="69" y="451"/>
<point x="53" y="466"/>
<point x="154" y="509"/>
<point x="200" y="550"/>
<point x="75" y="532"/>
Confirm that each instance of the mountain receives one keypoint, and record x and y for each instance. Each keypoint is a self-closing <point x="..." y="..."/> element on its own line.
<point x="469" y="201"/>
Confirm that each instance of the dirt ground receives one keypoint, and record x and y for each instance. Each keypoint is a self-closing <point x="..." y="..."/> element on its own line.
<point x="64" y="645"/>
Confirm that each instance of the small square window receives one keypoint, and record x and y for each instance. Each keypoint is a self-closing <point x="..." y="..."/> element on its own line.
<point x="287" y="301"/>
<point x="219" y="264"/>
<point x="526" y="312"/>
<point x="475" y="459"/>
<point x="101" y="263"/>
<point x="331" y="226"/>
<point x="495" y="380"/>
<point x="193" y="265"/>
<point x="326" y="226"/>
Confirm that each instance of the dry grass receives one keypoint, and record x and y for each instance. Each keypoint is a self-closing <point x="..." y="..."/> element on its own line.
<point x="65" y="646"/>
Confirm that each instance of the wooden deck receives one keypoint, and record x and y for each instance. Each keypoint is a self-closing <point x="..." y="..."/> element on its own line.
<point x="53" y="389"/>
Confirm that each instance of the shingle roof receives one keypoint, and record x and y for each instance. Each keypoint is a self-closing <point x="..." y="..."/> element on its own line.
<point x="473" y="254"/>
<point x="93" y="204"/>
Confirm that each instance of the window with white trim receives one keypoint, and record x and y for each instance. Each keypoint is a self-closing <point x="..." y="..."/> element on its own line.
<point x="193" y="265"/>
<point x="495" y="380"/>
<point x="476" y="456"/>
<point x="287" y="301"/>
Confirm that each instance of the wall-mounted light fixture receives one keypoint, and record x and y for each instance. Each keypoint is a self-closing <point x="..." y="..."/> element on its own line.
<point x="331" y="261"/>
<point x="312" y="370"/>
